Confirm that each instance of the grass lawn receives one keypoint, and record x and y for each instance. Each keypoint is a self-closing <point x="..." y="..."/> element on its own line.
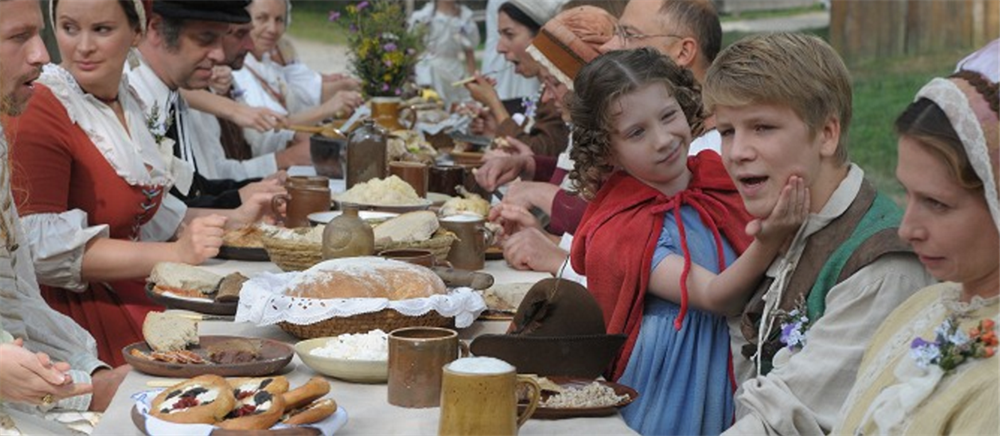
<point x="310" y="20"/>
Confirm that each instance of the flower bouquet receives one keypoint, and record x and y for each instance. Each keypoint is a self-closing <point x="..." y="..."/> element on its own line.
<point x="383" y="50"/>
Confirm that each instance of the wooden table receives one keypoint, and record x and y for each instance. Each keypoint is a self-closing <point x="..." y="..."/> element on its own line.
<point x="366" y="405"/>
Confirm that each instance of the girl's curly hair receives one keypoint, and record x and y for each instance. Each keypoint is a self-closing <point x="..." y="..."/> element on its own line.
<point x="602" y="82"/>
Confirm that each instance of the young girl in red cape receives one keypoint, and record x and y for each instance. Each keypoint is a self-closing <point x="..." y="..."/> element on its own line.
<point x="660" y="230"/>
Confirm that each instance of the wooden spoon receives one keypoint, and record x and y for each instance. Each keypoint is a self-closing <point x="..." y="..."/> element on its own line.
<point x="325" y="130"/>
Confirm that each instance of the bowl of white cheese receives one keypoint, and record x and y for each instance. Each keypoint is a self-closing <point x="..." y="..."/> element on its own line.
<point x="359" y="357"/>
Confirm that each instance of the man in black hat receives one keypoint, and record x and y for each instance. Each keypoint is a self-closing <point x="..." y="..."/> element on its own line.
<point x="184" y="41"/>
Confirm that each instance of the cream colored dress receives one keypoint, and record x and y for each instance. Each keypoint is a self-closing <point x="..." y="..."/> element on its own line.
<point x="965" y="401"/>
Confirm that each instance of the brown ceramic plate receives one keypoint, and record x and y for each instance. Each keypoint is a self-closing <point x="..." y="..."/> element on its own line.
<point x="256" y="254"/>
<point x="273" y="356"/>
<point x="193" y="304"/>
<point x="577" y="412"/>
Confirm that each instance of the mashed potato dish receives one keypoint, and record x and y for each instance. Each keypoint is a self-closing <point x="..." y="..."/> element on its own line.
<point x="391" y="191"/>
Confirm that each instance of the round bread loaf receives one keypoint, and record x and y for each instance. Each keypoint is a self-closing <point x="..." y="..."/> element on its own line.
<point x="366" y="277"/>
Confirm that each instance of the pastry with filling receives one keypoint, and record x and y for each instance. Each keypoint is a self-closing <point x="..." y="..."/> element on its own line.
<point x="259" y="403"/>
<point x="201" y="400"/>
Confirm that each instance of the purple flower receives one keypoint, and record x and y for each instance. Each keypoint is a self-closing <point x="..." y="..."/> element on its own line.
<point x="362" y="5"/>
<point x="334" y="16"/>
<point x="399" y="91"/>
<point x="924" y="353"/>
<point x="388" y="63"/>
<point x="385" y="86"/>
<point x="353" y="28"/>
<point x="389" y="47"/>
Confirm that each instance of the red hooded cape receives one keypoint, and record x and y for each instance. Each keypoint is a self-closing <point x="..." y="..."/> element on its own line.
<point x="617" y="236"/>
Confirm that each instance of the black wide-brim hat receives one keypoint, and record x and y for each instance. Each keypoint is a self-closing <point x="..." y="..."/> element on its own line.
<point x="558" y="330"/>
<point x="223" y="11"/>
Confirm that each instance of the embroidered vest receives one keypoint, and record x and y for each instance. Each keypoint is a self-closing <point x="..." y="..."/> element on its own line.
<point x="862" y="234"/>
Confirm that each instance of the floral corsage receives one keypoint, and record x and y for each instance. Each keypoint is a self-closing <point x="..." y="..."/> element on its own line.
<point x="952" y="346"/>
<point x="793" y="329"/>
<point x="159" y="129"/>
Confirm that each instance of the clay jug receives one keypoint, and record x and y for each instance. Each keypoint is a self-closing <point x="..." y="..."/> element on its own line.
<point x="348" y="236"/>
<point x="366" y="154"/>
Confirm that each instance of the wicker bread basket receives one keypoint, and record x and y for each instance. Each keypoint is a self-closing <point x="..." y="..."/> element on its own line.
<point x="300" y="254"/>
<point x="387" y="320"/>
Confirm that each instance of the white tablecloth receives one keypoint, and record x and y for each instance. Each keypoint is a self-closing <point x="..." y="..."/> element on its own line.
<point x="366" y="405"/>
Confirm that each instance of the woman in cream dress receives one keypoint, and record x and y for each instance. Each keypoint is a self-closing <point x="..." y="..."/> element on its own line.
<point x="908" y="383"/>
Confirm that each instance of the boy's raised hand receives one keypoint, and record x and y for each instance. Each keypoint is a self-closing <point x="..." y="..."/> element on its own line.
<point x="788" y="214"/>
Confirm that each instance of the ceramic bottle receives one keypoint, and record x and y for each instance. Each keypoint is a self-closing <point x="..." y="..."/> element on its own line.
<point x="366" y="154"/>
<point x="348" y="236"/>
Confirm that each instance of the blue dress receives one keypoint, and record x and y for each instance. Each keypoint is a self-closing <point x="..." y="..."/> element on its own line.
<point x="682" y="376"/>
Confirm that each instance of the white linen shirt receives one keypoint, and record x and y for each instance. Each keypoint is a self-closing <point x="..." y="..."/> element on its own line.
<point x="23" y="312"/>
<point x="804" y="392"/>
<point x="255" y="95"/>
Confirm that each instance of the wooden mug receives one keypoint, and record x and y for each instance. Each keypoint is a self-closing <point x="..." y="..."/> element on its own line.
<point x="479" y="397"/>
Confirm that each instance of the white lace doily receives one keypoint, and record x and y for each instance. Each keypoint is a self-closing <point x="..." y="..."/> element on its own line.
<point x="263" y="302"/>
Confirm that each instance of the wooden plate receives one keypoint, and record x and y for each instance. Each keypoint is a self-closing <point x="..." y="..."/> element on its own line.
<point x="199" y="305"/>
<point x="273" y="356"/>
<point x="577" y="412"/>
<point x="256" y="254"/>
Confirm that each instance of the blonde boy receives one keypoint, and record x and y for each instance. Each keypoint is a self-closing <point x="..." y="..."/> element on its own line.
<point x="783" y="107"/>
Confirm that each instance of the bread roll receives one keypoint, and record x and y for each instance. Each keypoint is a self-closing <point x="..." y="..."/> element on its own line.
<point x="168" y="332"/>
<point x="366" y="277"/>
<point x="299" y="397"/>
<point x="314" y="412"/>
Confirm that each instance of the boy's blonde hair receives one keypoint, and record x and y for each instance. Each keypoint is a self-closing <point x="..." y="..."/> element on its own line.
<point x="799" y="71"/>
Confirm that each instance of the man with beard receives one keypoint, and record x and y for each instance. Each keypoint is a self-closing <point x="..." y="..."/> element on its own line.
<point x="53" y="361"/>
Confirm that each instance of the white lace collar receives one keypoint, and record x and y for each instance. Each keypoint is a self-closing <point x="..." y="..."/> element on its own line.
<point x="132" y="153"/>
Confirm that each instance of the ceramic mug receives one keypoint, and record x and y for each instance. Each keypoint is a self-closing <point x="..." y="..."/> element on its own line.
<point x="314" y="181"/>
<point x="414" y="174"/>
<point x="468" y="252"/>
<point x="416" y="256"/>
<point x="479" y="397"/>
<point x="445" y="179"/>
<point x="300" y="201"/>
<point x="416" y="356"/>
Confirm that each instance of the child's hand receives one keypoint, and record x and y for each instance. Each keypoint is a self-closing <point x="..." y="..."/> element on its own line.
<point x="788" y="214"/>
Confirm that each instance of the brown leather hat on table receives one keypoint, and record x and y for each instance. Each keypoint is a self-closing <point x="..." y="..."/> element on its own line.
<point x="558" y="330"/>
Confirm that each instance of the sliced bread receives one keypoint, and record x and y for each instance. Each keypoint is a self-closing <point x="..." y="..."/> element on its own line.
<point x="184" y="277"/>
<point x="168" y="332"/>
<point x="408" y="227"/>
